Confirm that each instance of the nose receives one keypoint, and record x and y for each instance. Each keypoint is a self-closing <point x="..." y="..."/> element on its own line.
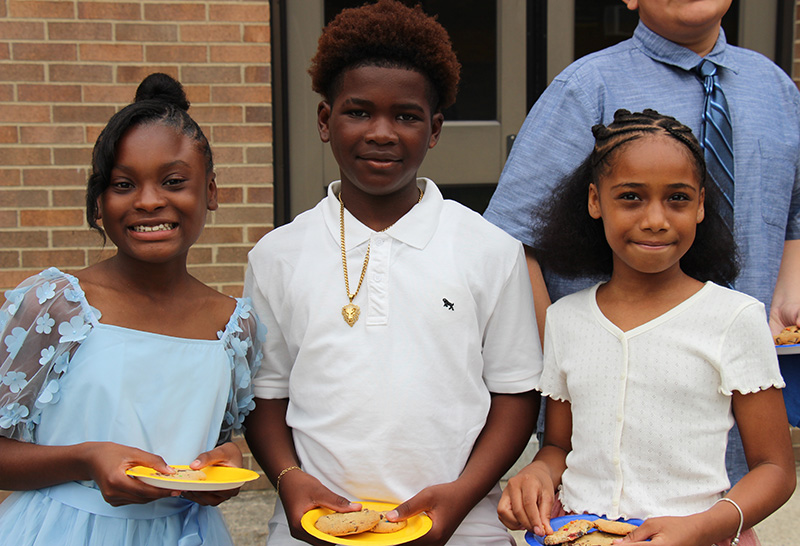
<point x="381" y="130"/>
<point x="150" y="197"/>
<point x="655" y="217"/>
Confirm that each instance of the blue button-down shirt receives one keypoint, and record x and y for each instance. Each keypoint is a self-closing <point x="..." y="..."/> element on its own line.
<point x="648" y="71"/>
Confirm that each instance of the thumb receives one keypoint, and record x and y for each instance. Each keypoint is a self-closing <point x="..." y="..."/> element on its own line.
<point x="408" y="509"/>
<point x="227" y="454"/>
<point x="338" y="503"/>
<point x="151" y="460"/>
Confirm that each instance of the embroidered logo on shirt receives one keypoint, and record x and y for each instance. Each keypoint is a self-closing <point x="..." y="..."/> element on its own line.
<point x="449" y="305"/>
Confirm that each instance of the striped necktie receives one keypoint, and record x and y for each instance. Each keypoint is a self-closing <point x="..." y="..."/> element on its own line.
<point x="716" y="137"/>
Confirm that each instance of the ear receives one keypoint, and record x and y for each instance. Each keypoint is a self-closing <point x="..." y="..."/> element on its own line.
<point x="594" y="202"/>
<point x="633" y="5"/>
<point x="436" y="129"/>
<point x="211" y="192"/>
<point x="701" y="210"/>
<point x="323" y="118"/>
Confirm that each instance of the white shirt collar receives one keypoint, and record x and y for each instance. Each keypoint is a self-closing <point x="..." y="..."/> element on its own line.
<point x="415" y="228"/>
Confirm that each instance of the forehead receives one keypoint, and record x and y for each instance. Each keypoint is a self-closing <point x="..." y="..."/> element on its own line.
<point x="154" y="140"/>
<point x="377" y="83"/>
<point x="651" y="156"/>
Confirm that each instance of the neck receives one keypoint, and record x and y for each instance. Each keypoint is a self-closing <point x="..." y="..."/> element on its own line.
<point x="157" y="280"/>
<point x="635" y="286"/>
<point x="378" y="212"/>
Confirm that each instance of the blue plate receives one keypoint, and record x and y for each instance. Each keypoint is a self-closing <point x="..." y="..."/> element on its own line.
<point x="556" y="523"/>
<point x="788" y="349"/>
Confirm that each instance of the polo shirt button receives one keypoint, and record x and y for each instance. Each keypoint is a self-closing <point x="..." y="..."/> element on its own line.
<point x="379" y="242"/>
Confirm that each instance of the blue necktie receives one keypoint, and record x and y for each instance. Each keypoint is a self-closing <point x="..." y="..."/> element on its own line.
<point x="716" y="137"/>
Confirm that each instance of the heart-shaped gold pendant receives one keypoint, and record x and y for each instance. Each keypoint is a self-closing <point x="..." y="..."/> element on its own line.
<point x="350" y="312"/>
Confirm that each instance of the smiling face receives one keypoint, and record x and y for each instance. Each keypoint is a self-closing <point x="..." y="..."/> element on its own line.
<point x="691" y="23"/>
<point x="650" y="202"/>
<point x="155" y="205"/>
<point x="380" y="124"/>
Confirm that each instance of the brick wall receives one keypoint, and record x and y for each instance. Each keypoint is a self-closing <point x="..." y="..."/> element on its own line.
<point x="66" y="66"/>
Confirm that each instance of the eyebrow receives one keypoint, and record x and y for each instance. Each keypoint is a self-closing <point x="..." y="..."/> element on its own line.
<point x="355" y="101"/>
<point x="176" y="163"/>
<point x="674" y="186"/>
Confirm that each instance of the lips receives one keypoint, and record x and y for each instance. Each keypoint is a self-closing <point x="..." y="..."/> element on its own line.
<point x="149" y="229"/>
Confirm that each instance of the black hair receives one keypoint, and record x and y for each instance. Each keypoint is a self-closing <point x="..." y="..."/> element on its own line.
<point x="387" y="34"/>
<point x="159" y="99"/>
<point x="573" y="244"/>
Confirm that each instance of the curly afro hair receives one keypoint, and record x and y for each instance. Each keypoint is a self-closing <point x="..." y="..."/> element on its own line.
<point x="386" y="34"/>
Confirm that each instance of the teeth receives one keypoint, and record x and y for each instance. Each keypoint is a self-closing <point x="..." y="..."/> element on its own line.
<point x="160" y="227"/>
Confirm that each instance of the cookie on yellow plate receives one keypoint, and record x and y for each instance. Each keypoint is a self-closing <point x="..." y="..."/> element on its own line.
<point x="386" y="526"/>
<point x="340" y="524"/>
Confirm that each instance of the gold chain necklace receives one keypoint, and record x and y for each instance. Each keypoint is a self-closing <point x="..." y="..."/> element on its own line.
<point x="351" y="311"/>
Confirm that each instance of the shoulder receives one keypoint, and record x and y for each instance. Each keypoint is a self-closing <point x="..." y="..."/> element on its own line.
<point x="595" y="64"/>
<point x="760" y="71"/>
<point x="731" y="305"/>
<point x="471" y="228"/>
<point x="44" y="288"/>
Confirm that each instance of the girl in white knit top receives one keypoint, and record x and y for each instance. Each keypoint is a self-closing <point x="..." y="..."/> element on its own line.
<point x="645" y="372"/>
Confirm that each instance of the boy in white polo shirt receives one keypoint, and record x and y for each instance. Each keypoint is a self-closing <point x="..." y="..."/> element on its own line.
<point x="402" y="369"/>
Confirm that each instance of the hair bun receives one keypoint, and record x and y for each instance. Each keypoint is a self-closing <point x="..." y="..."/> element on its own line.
<point x="162" y="87"/>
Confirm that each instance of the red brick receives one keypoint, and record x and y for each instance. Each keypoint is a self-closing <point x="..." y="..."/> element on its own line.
<point x="255" y="233"/>
<point x="246" y="175"/>
<point x="92" y="132"/>
<point x="32" y="92"/>
<point x="257" y="34"/>
<point x="259" y="94"/>
<point x="69" y="198"/>
<point x="24" y="113"/>
<point x="55" y="177"/>
<point x="211" y="74"/>
<point x="199" y="255"/>
<point x="41" y="10"/>
<point x="111" y="52"/>
<point x="217" y="114"/>
<point x="235" y="291"/>
<point x="146" y="33"/>
<point x="210" y="33"/>
<point x="176" y="54"/>
<point x="6" y="93"/>
<point x="22" y="72"/>
<point x="44" y="52"/>
<point x="243" y="133"/>
<point x="240" y="54"/>
<point x="94" y="255"/>
<point x="8" y="135"/>
<point x="118" y="11"/>
<point x="11" y="278"/>
<point x="226" y="155"/>
<point x="3" y="10"/>
<point x="25" y="156"/>
<point x="81" y="73"/>
<point x="260" y="194"/>
<point x="5" y="52"/>
<point x="243" y="215"/>
<point x="217" y="273"/>
<point x="50" y="217"/>
<point x="109" y="93"/>
<point x="9" y="259"/>
<point x="175" y="12"/>
<point x="84" y="31"/>
<point x="76" y="238"/>
<point x="10" y="177"/>
<point x="73" y="156"/>
<point x="19" y="30"/>
<point x="249" y="12"/>
<point x="27" y="238"/>
<point x="230" y="195"/>
<point x="84" y="114"/>
<point x="258" y="114"/>
<point x="51" y="134"/>
<point x="220" y="235"/>
<point x="259" y="154"/>
<point x="257" y="74"/>
<point x="47" y="258"/>
<point x="135" y="74"/>
<point x="8" y="219"/>
<point x="233" y="254"/>
<point x="198" y="94"/>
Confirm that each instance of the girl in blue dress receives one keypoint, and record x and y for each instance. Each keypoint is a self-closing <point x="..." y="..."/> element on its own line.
<point x="131" y="361"/>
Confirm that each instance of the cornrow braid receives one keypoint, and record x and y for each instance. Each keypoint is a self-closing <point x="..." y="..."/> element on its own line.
<point x="629" y="126"/>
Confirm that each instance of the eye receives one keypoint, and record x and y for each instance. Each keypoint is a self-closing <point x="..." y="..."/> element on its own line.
<point x="679" y="197"/>
<point x="408" y="117"/>
<point x="120" y="185"/>
<point x="357" y="113"/>
<point x="628" y="196"/>
<point x="174" y="181"/>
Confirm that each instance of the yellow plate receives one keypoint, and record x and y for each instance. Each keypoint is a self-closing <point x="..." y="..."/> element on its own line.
<point x="417" y="526"/>
<point x="218" y="478"/>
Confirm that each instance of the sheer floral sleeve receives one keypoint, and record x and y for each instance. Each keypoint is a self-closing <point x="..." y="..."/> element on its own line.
<point x="43" y="321"/>
<point x="243" y="337"/>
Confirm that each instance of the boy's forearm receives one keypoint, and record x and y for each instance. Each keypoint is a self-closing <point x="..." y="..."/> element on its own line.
<point x="270" y="438"/>
<point x="509" y="426"/>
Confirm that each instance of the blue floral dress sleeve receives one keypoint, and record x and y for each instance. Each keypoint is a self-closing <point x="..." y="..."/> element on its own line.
<point x="243" y="337"/>
<point x="43" y="321"/>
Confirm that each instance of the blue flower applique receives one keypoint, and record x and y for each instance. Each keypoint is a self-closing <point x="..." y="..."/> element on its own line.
<point x="61" y="363"/>
<point x="45" y="323"/>
<point x="74" y="330"/>
<point x="47" y="355"/>
<point x="247" y="404"/>
<point x="49" y="394"/>
<point x="14" y="340"/>
<point x="51" y="273"/>
<point x="73" y="295"/>
<point x="14" y="298"/>
<point x="12" y="414"/>
<point x="239" y="346"/>
<point x="45" y="292"/>
<point x="244" y="310"/>
<point x="15" y="381"/>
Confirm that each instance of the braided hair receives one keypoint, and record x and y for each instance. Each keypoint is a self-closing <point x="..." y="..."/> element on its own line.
<point x="159" y="99"/>
<point x="566" y="230"/>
